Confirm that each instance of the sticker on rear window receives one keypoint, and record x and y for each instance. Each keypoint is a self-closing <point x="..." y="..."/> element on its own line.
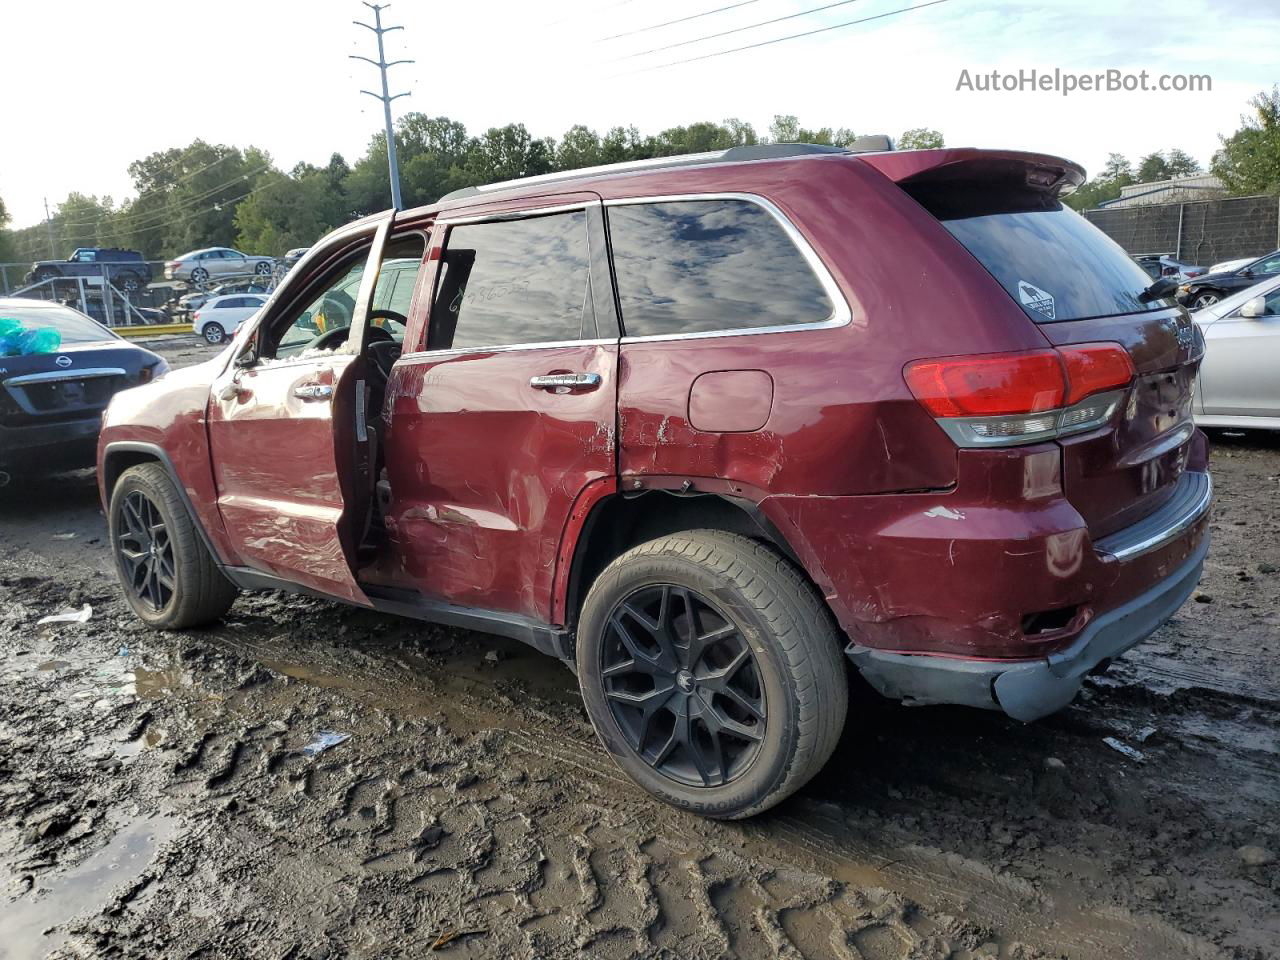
<point x="1036" y="299"/>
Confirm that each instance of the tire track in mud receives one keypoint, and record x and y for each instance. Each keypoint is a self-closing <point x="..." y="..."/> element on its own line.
<point x="782" y="915"/>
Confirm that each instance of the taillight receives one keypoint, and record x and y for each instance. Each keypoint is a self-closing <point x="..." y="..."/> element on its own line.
<point x="988" y="384"/>
<point x="1094" y="367"/>
<point x="1000" y="399"/>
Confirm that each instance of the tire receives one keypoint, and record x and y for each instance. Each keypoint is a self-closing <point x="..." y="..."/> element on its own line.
<point x="796" y="689"/>
<point x="129" y="282"/>
<point x="196" y="592"/>
<point x="213" y="333"/>
<point x="46" y="273"/>
<point x="262" y="269"/>
<point x="1205" y="298"/>
<point x="199" y="275"/>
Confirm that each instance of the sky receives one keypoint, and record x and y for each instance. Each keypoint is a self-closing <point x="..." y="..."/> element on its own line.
<point x="104" y="88"/>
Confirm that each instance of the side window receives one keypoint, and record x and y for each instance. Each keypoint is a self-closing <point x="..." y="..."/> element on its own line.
<point x="1268" y="268"/>
<point x="230" y="303"/>
<point x="401" y="263"/>
<point x="1273" y="304"/>
<point x="514" y="281"/>
<point x="86" y="256"/>
<point x="331" y="310"/>
<point x="696" y="266"/>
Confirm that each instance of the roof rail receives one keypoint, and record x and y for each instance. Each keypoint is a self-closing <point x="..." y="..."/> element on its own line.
<point x="763" y="151"/>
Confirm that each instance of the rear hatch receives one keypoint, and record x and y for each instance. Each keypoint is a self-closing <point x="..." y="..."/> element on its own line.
<point x="1078" y="286"/>
<point x="74" y="383"/>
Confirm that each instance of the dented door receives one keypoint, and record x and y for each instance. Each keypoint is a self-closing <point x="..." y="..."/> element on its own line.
<point x="507" y="413"/>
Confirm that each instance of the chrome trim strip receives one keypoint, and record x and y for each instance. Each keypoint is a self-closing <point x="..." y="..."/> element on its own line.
<point x="841" y="314"/>
<point x="1119" y="546"/>
<point x="522" y="214"/>
<point x="54" y="376"/>
<point x="506" y="348"/>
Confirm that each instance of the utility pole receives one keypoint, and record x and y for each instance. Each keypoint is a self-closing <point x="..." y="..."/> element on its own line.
<point x="48" y="222"/>
<point x="381" y="63"/>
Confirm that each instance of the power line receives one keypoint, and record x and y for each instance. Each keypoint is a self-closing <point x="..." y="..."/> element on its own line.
<point x="182" y="179"/>
<point x="127" y="218"/>
<point x="749" y="26"/>
<point x="794" y="36"/>
<point x="670" y="23"/>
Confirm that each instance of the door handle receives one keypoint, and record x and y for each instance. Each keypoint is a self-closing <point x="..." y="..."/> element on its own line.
<point x="564" y="382"/>
<point x="313" y="391"/>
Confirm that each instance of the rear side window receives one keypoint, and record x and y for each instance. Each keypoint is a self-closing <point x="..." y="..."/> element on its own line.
<point x="697" y="266"/>
<point x="514" y="282"/>
<point x="1053" y="262"/>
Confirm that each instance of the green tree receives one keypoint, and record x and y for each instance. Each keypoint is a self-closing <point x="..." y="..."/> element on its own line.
<point x="920" y="138"/>
<point x="579" y="147"/>
<point x="1249" y="160"/>
<point x="1117" y="172"/>
<point x="8" y="250"/>
<point x="293" y="210"/>
<point x="1179" y="163"/>
<point x="508" y="153"/>
<point x="1152" y="167"/>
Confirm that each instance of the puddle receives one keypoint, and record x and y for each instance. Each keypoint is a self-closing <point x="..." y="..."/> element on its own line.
<point x="81" y="890"/>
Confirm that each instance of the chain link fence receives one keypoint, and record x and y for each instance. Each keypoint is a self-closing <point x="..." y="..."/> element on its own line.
<point x="1202" y="232"/>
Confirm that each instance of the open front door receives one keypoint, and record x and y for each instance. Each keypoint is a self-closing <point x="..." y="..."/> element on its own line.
<point x="286" y="424"/>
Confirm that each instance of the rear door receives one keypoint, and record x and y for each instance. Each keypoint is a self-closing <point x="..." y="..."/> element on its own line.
<point x="287" y="433"/>
<point x="506" y="412"/>
<point x="1079" y="286"/>
<point x="1241" y="364"/>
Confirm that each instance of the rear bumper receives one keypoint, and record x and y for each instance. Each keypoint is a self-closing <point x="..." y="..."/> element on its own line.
<point x="1028" y="690"/>
<point x="43" y="446"/>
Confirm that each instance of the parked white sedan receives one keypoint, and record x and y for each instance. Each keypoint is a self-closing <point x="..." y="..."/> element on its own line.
<point x="1238" y="384"/>
<point x="199" y="266"/>
<point x="221" y="316"/>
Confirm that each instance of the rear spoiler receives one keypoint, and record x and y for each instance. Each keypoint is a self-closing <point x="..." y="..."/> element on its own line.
<point x="1039" y="171"/>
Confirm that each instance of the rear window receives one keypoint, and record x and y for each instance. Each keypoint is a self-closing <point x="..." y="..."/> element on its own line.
<point x="1053" y="262"/>
<point x="72" y="327"/>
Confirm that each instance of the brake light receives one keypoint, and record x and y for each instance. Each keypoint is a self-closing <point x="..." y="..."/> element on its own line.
<point x="1094" y="367"/>
<point x="988" y="384"/>
<point x="195" y="317"/>
<point x="1000" y="399"/>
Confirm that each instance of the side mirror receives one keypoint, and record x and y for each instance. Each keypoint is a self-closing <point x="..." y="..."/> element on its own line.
<point x="249" y="358"/>
<point x="1256" y="307"/>
<point x="1162" y="288"/>
<point x="1246" y="272"/>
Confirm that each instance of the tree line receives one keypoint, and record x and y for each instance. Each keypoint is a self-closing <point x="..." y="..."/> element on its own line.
<point x="1247" y="161"/>
<point x="207" y="194"/>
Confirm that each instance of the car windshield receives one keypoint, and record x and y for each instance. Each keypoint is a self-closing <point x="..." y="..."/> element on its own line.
<point x="72" y="326"/>
<point x="1053" y="262"/>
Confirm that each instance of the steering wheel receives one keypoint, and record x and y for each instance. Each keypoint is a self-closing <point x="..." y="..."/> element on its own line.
<point x="338" y="335"/>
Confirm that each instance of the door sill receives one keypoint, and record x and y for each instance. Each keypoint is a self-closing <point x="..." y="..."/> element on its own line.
<point x="543" y="637"/>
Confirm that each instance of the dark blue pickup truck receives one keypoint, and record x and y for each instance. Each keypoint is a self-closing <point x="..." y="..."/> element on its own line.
<point x="125" y="268"/>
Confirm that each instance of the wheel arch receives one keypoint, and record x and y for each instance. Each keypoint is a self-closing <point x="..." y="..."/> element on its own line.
<point x="120" y="455"/>
<point x="619" y="521"/>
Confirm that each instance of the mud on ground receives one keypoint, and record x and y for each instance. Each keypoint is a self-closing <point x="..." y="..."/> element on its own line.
<point x="156" y="799"/>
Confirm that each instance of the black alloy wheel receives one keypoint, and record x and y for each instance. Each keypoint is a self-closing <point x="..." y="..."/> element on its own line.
<point x="146" y="551"/>
<point x="683" y="685"/>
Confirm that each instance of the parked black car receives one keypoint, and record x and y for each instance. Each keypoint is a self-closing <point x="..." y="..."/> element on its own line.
<point x="125" y="268"/>
<point x="51" y="403"/>
<point x="1209" y="289"/>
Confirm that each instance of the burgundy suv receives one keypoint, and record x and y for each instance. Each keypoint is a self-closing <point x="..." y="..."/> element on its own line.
<point x="706" y="428"/>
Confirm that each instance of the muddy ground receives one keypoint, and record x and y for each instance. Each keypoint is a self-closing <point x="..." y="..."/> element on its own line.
<point x="156" y="799"/>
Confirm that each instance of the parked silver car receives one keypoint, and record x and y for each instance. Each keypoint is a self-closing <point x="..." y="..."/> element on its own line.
<point x="199" y="266"/>
<point x="1238" y="386"/>
<point x="197" y="299"/>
